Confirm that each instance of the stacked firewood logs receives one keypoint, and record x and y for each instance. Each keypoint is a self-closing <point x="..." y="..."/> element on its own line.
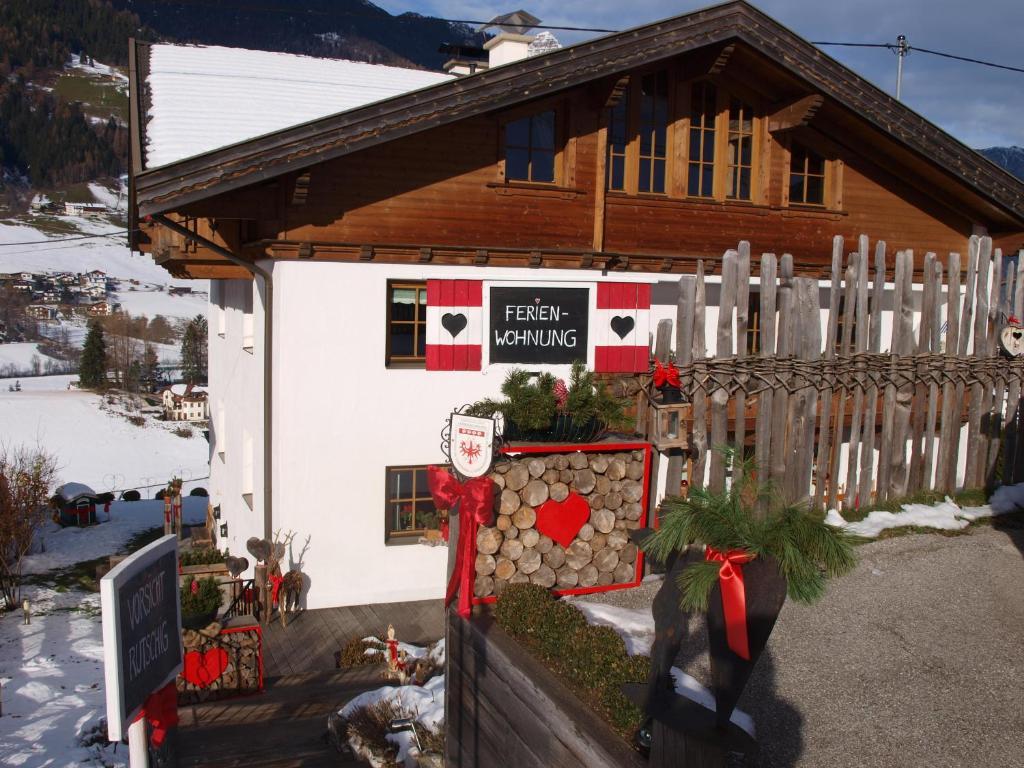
<point x="513" y="551"/>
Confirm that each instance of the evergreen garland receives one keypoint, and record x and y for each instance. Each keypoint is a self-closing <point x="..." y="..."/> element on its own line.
<point x="807" y="550"/>
<point x="531" y="404"/>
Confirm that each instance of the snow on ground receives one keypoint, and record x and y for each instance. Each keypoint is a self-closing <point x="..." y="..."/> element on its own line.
<point x="425" y="703"/>
<point x="115" y="200"/>
<point x="108" y="252"/>
<point x="95" y="446"/>
<point x="97" y="68"/>
<point x="63" y="547"/>
<point x="944" y="516"/>
<point x="20" y="355"/>
<point x="636" y="628"/>
<point x="634" y="625"/>
<point x="52" y="676"/>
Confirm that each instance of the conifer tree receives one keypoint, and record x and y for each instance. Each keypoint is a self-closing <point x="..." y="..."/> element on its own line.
<point x="92" y="368"/>
<point x="193" y="351"/>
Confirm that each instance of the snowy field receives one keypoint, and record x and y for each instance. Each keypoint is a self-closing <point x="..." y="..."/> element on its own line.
<point x="95" y="445"/>
<point x="102" y="245"/>
<point x="52" y="669"/>
<point x="20" y="355"/>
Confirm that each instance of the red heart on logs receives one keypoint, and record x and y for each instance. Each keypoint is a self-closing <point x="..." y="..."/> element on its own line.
<point x="562" y="520"/>
<point x="201" y="669"/>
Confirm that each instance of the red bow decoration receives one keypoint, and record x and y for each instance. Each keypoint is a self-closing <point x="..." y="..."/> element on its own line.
<point x="161" y="710"/>
<point x="275" y="582"/>
<point x="734" y="597"/>
<point x="1012" y="320"/>
<point x="666" y="375"/>
<point x="475" y="500"/>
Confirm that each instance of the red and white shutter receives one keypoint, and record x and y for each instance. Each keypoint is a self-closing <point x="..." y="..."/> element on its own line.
<point x="454" y="324"/>
<point x="622" y="325"/>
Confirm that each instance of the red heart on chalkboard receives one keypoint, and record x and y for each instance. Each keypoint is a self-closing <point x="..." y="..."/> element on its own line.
<point x="562" y="520"/>
<point x="201" y="669"/>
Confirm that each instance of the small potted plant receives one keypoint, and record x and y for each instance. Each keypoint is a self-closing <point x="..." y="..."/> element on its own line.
<point x="200" y="602"/>
<point x="666" y="381"/>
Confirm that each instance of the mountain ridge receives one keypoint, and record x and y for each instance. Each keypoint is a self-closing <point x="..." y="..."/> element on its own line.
<point x="1011" y="158"/>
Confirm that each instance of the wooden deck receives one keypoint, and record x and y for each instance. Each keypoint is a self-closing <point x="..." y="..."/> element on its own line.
<point x="312" y="638"/>
<point x="285" y="726"/>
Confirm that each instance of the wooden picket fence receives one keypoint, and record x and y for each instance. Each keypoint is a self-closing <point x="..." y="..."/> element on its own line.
<point x="833" y="413"/>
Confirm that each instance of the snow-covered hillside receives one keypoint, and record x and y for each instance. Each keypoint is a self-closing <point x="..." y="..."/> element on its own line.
<point x="93" y="442"/>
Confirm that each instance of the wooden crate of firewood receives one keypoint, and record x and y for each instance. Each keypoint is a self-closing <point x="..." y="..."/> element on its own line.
<point x="563" y="517"/>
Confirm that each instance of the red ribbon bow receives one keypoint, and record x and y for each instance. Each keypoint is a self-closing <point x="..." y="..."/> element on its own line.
<point x="475" y="501"/>
<point x="666" y="375"/>
<point x="734" y="597"/>
<point x="275" y="582"/>
<point x="161" y="710"/>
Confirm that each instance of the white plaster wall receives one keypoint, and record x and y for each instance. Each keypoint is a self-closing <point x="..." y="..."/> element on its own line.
<point x="341" y="417"/>
<point x="236" y="403"/>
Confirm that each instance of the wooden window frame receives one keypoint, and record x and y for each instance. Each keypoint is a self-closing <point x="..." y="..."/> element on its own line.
<point x="562" y="174"/>
<point x="410" y="536"/>
<point x="833" y="179"/>
<point x="728" y="134"/>
<point x="632" y="97"/>
<point x="405" y="361"/>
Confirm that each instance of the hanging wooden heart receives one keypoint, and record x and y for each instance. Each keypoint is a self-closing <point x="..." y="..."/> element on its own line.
<point x="562" y="520"/>
<point x="258" y="548"/>
<point x="236" y="565"/>
<point x="202" y="669"/>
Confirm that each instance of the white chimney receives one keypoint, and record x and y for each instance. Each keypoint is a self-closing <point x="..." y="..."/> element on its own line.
<point x="512" y="43"/>
<point x="506" y="47"/>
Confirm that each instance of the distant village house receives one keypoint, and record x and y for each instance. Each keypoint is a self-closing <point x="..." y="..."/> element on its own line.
<point x="185" y="403"/>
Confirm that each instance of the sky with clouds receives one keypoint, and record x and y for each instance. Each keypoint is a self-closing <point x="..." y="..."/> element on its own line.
<point x="981" y="106"/>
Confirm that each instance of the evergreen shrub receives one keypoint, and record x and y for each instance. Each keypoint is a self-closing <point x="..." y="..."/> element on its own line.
<point x="592" y="660"/>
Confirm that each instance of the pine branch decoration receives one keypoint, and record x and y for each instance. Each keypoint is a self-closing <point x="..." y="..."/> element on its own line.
<point x="807" y="550"/>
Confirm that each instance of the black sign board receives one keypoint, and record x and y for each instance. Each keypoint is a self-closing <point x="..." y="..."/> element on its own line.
<point x="538" y="325"/>
<point x="148" y="638"/>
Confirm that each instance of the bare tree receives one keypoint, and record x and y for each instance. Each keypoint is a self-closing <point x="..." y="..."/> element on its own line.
<point x="25" y="479"/>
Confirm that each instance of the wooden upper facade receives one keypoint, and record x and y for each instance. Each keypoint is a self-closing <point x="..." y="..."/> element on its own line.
<point x="644" y="150"/>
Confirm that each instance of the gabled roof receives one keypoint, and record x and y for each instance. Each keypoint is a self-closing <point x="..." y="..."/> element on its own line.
<point x="301" y="146"/>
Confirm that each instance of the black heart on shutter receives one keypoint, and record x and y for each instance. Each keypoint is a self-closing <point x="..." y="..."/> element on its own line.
<point x="622" y="326"/>
<point x="454" y="324"/>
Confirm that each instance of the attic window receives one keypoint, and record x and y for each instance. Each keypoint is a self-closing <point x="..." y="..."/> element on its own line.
<point x="806" y="176"/>
<point x="530" y="148"/>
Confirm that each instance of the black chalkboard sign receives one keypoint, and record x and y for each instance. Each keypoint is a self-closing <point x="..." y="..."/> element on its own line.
<point x="538" y="325"/>
<point x="149" y="636"/>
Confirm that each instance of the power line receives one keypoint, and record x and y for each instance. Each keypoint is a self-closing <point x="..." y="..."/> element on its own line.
<point x="967" y="59"/>
<point x="51" y="241"/>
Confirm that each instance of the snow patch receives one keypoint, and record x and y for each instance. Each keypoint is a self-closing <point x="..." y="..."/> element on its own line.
<point x="634" y="625"/>
<point x="944" y="516"/>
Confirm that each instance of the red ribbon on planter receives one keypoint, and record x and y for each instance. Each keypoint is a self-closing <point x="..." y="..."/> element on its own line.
<point x="475" y="501"/>
<point x="734" y="596"/>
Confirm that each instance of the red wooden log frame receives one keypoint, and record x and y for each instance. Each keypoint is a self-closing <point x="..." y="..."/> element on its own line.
<point x="548" y="448"/>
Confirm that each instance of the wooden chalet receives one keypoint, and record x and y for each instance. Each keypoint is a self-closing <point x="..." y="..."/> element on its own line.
<point x="335" y="245"/>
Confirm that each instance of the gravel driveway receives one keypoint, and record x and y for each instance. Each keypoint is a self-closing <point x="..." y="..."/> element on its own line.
<point x="914" y="660"/>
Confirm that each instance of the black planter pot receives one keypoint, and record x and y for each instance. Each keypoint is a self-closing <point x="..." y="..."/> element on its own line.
<point x="198" y="620"/>
<point x="563" y="429"/>
<point x="671" y="394"/>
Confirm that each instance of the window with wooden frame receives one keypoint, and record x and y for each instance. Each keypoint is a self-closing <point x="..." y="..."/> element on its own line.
<point x="700" y="177"/>
<point x="807" y="171"/>
<point x="408" y="507"/>
<point x="618" y="141"/>
<point x="639" y="135"/>
<point x="740" y="153"/>
<point x="530" y="147"/>
<point x="407" y="324"/>
<point x="653" y="132"/>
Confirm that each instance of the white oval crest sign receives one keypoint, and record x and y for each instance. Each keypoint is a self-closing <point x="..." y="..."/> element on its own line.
<point x="471" y="444"/>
